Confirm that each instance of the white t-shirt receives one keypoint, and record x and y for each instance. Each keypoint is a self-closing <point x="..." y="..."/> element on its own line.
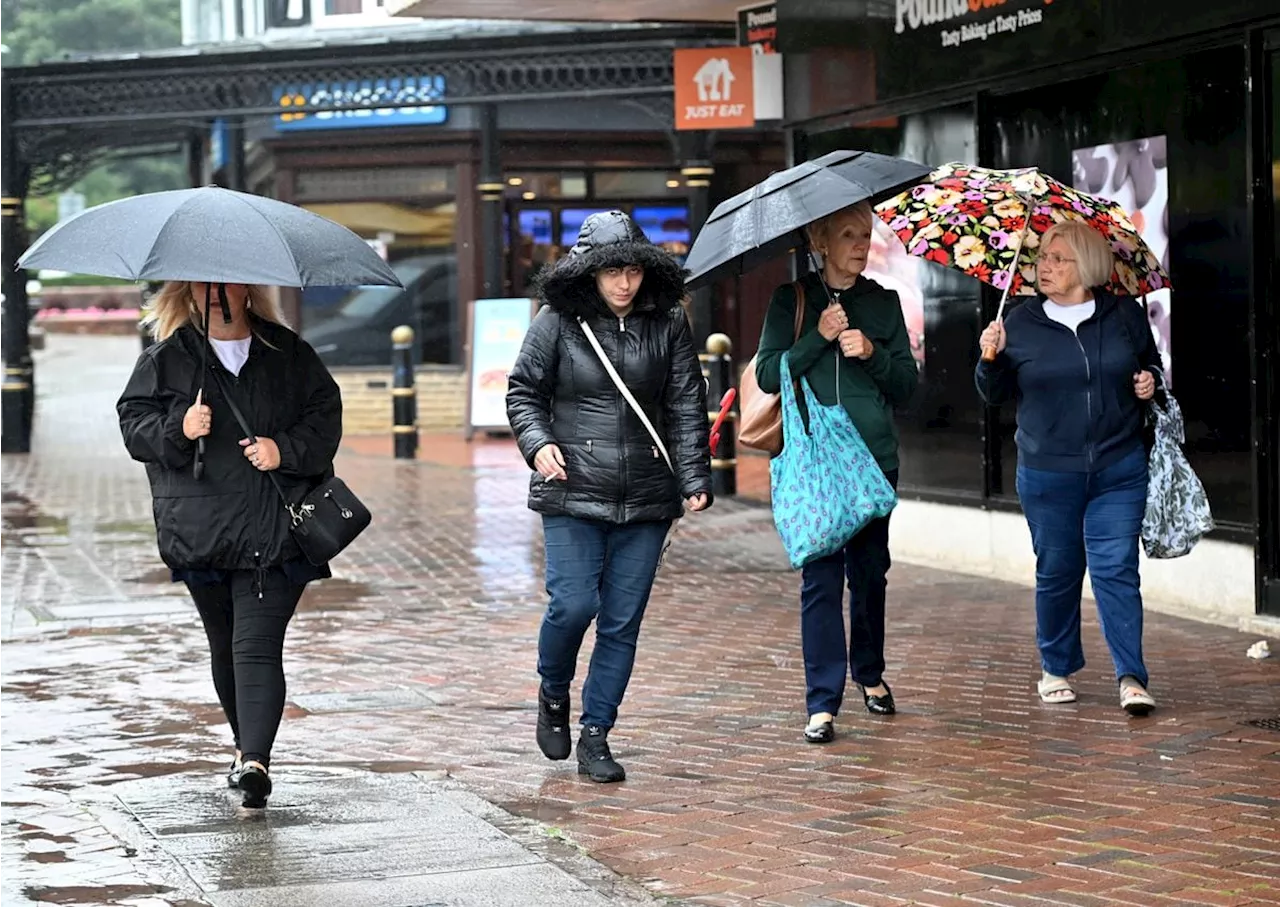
<point x="232" y="353"/>
<point x="1070" y="315"/>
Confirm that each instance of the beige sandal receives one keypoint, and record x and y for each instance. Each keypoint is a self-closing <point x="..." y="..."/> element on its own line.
<point x="1055" y="690"/>
<point x="1134" y="699"/>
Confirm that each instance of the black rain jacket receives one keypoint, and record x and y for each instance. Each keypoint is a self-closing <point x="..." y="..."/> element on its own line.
<point x="231" y="518"/>
<point x="559" y="392"/>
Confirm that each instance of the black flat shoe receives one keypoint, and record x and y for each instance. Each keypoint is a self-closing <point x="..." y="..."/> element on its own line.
<point x="879" y="705"/>
<point x="233" y="774"/>
<point x="594" y="758"/>
<point x="256" y="785"/>
<point x="824" y="732"/>
<point x="553" y="726"/>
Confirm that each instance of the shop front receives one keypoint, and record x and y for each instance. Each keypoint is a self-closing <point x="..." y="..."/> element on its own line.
<point x="417" y="191"/>
<point x="1170" y="107"/>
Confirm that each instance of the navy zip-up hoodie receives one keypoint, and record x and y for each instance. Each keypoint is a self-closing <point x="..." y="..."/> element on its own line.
<point x="1077" y="411"/>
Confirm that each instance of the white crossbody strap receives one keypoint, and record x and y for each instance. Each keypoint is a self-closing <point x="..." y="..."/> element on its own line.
<point x="626" y="393"/>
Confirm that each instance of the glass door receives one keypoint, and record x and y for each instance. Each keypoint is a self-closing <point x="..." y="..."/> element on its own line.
<point x="1267" y="350"/>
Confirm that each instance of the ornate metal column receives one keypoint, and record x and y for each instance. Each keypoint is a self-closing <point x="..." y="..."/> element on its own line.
<point x="18" y="396"/>
<point x="235" y="171"/>
<point x="490" y="186"/>
<point x="693" y="151"/>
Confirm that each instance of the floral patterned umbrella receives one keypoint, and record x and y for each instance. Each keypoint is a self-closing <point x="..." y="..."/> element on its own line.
<point x="975" y="219"/>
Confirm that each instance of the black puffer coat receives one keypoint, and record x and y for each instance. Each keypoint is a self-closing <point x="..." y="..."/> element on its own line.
<point x="559" y="393"/>
<point x="231" y="518"/>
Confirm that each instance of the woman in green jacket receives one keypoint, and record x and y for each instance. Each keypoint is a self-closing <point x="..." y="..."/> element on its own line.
<point x="853" y="332"/>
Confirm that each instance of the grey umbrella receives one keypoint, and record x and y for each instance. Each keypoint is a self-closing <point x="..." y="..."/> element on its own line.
<point x="769" y="218"/>
<point x="211" y="236"/>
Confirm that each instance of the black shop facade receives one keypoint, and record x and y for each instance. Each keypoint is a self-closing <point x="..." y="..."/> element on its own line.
<point x="1169" y="107"/>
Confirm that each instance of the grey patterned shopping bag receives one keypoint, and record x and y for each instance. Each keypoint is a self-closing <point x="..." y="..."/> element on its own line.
<point x="1177" y="514"/>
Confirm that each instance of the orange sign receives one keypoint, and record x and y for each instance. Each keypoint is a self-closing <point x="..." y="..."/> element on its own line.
<point x="715" y="88"/>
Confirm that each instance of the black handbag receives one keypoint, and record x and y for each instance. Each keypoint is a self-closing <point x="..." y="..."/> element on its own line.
<point x="329" y="516"/>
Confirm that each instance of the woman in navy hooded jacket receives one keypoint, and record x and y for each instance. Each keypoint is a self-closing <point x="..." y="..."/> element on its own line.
<point x="1080" y="364"/>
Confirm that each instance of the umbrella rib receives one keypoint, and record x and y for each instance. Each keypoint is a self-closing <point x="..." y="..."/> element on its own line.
<point x="288" y="249"/>
<point x="155" y="239"/>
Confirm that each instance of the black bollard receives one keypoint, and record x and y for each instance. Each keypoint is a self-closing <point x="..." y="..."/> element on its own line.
<point x="404" y="394"/>
<point x="717" y="366"/>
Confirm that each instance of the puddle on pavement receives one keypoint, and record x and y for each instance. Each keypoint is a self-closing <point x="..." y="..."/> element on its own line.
<point x="47" y="856"/>
<point x="539" y="810"/>
<point x="122" y="527"/>
<point x="157" y="576"/>
<point x="335" y="595"/>
<point x="104" y="895"/>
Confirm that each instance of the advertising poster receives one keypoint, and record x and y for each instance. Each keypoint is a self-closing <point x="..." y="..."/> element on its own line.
<point x="1135" y="175"/>
<point x="889" y="265"/>
<point x="498" y="327"/>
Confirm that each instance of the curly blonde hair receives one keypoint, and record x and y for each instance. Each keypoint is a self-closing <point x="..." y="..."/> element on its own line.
<point x="176" y="305"/>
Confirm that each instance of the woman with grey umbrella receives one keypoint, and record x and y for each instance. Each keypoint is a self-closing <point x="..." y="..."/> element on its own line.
<point x="222" y="530"/>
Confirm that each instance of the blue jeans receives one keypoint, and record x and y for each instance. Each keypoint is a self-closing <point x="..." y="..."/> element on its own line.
<point x="603" y="572"/>
<point x="1094" y="520"/>
<point x="864" y="563"/>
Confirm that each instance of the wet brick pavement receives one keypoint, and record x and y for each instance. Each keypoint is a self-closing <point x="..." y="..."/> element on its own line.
<point x="420" y="657"/>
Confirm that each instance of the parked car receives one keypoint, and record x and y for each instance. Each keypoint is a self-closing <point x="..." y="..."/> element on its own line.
<point x="359" y="331"/>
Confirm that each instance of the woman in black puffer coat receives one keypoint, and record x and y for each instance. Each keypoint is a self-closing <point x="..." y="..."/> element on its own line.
<point x="226" y="534"/>
<point x="604" y="489"/>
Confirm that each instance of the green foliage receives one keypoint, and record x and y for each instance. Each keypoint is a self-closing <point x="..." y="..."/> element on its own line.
<point x="39" y="31"/>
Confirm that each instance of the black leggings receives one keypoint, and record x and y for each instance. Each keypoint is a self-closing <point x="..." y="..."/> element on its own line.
<point x="246" y="640"/>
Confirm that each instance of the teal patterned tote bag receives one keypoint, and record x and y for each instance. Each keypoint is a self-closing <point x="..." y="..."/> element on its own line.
<point x="826" y="485"/>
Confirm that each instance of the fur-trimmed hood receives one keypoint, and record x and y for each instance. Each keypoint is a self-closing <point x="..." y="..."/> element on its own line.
<point x="610" y="239"/>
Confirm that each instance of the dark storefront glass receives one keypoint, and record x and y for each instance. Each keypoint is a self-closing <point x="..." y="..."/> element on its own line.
<point x="409" y="216"/>
<point x="1198" y="104"/>
<point x="941" y="430"/>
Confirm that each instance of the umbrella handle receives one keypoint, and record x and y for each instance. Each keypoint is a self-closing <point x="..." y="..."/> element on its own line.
<point x="197" y="469"/>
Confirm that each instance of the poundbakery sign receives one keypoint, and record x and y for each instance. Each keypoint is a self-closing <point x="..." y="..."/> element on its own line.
<point x="960" y="22"/>
<point x="912" y="47"/>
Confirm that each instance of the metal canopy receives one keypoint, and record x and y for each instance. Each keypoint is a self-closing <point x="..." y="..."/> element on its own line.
<point x="81" y="107"/>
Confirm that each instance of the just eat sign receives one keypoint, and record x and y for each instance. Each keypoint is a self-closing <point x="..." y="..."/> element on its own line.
<point x="714" y="88"/>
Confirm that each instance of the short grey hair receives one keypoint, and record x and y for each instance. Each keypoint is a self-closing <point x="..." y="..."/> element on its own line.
<point x="1094" y="258"/>
<point x="819" y="231"/>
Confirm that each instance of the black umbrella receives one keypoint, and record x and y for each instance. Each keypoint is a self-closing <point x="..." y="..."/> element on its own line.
<point x="769" y="218"/>
<point x="213" y="236"/>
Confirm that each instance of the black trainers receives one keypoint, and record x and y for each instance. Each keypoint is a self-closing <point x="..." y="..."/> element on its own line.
<point x="553" y="726"/>
<point x="594" y="759"/>
<point x="256" y="785"/>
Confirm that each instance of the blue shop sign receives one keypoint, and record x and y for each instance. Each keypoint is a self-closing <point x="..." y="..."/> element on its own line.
<point x="219" y="140"/>
<point x="363" y="103"/>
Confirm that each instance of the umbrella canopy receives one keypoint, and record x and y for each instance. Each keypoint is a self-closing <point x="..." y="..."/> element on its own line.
<point x="210" y="235"/>
<point x="769" y="218"/>
<point x="975" y="219"/>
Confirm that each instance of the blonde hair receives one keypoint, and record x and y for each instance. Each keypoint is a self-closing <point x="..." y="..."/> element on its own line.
<point x="176" y="305"/>
<point x="820" y="230"/>
<point x="1094" y="259"/>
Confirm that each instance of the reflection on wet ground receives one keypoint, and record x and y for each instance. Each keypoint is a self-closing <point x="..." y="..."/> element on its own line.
<point x="417" y="662"/>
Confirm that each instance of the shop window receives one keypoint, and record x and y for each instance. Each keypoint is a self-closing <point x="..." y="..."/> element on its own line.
<point x="535" y="246"/>
<point x="636" y="183"/>
<point x="344" y="184"/>
<point x="1181" y="124"/>
<point x="940" y="431"/>
<point x="352" y="326"/>
<point x="541" y="184"/>
<point x="666" y="226"/>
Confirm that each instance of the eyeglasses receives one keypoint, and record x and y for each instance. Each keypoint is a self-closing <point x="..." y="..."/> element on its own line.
<point x="1054" y="259"/>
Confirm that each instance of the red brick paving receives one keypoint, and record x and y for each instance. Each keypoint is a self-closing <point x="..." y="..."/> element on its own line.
<point x="974" y="794"/>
